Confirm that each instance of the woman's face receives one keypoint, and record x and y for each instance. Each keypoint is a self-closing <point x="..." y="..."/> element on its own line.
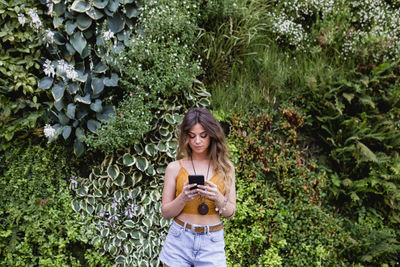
<point x="199" y="140"/>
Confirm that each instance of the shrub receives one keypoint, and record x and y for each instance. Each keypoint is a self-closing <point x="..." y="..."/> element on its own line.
<point x="20" y="49"/>
<point x="122" y="196"/>
<point x="282" y="218"/>
<point x="38" y="225"/>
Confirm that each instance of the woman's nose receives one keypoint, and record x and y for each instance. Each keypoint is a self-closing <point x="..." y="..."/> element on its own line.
<point x="197" y="139"/>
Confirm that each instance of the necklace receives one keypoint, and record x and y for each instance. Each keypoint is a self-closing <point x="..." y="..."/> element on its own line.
<point x="203" y="207"/>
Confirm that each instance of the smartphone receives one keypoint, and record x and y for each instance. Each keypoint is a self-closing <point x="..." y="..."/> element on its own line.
<point x="196" y="179"/>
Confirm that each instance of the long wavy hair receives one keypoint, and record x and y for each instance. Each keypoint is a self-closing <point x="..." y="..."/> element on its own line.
<point x="218" y="150"/>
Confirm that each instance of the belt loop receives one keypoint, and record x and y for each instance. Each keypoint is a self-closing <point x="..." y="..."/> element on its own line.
<point x="184" y="226"/>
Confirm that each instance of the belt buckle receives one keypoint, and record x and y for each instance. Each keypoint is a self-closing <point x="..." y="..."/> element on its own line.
<point x="193" y="228"/>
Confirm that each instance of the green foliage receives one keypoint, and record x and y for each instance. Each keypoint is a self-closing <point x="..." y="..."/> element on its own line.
<point x="281" y="217"/>
<point x="78" y="78"/>
<point x="372" y="240"/>
<point x="38" y="225"/>
<point x="122" y="196"/>
<point x="355" y="115"/>
<point x="125" y="129"/>
<point x="20" y="49"/>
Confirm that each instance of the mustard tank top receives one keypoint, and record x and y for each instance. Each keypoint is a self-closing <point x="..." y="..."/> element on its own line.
<point x="191" y="206"/>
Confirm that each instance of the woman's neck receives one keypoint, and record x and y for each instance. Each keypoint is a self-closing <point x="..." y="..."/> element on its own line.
<point x="200" y="157"/>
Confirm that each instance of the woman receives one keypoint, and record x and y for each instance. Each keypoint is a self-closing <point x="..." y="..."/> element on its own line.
<point x="196" y="236"/>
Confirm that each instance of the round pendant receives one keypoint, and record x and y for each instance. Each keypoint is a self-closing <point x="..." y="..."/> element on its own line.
<point x="202" y="208"/>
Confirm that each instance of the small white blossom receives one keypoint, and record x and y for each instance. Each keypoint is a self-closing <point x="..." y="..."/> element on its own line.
<point x="48" y="68"/>
<point x="49" y="37"/>
<point x="49" y="131"/>
<point x="66" y="68"/>
<point x="21" y="19"/>
<point x="36" y="22"/>
<point x="108" y="35"/>
<point x="49" y="4"/>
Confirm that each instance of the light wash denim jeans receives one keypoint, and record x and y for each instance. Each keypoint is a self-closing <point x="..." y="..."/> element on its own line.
<point x="184" y="248"/>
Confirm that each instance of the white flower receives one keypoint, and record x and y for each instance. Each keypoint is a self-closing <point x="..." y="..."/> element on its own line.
<point x="49" y="131"/>
<point x="48" y="68"/>
<point x="49" y="37"/>
<point x="108" y="35"/>
<point x="49" y="4"/>
<point x="21" y="19"/>
<point x="66" y="68"/>
<point x="36" y="22"/>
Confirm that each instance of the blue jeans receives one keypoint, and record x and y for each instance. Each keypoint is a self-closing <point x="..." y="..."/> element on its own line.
<point x="184" y="248"/>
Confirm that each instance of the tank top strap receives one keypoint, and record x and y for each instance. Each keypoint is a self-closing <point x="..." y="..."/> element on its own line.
<point x="180" y="163"/>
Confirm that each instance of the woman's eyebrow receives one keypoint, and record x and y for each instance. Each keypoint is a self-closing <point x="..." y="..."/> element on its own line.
<point x="203" y="132"/>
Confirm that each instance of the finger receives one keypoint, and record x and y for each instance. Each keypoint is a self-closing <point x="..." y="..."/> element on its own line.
<point x="211" y="184"/>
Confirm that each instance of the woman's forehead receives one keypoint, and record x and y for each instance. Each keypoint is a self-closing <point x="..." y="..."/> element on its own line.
<point x="197" y="129"/>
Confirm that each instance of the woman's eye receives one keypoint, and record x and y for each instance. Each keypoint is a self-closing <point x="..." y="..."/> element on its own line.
<point x="192" y="136"/>
<point x="204" y="136"/>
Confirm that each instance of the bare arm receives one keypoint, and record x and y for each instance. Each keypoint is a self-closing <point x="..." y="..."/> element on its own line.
<point x="171" y="206"/>
<point x="226" y="204"/>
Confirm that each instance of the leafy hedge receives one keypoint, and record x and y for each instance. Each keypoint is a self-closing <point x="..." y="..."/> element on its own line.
<point x="20" y="50"/>
<point x="122" y="196"/>
<point x="356" y="115"/>
<point x="282" y="218"/>
<point x="38" y="225"/>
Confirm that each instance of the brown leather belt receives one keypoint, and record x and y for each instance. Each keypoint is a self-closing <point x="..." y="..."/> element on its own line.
<point x="200" y="228"/>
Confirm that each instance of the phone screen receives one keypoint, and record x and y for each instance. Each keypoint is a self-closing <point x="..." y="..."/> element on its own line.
<point x="196" y="179"/>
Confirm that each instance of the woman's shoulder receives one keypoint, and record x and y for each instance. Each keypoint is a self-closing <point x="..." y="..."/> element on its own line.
<point x="173" y="168"/>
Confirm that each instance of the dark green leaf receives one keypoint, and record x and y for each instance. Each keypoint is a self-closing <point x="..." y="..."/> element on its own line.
<point x="78" y="42"/>
<point x="116" y="23"/>
<point x="66" y="131"/>
<point x="93" y="125"/>
<point x="58" y="91"/>
<point x="71" y="111"/>
<point x="84" y="21"/>
<point x="96" y="106"/>
<point x="97" y="85"/>
<point x="45" y="83"/>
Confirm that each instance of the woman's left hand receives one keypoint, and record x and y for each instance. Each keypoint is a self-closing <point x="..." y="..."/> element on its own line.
<point x="211" y="192"/>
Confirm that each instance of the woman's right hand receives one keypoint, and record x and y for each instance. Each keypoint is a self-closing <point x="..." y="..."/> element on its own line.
<point x="187" y="194"/>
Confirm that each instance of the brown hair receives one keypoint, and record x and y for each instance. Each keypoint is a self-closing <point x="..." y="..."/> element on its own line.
<point x="218" y="150"/>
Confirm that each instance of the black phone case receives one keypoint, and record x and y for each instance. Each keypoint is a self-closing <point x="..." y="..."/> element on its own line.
<point x="196" y="179"/>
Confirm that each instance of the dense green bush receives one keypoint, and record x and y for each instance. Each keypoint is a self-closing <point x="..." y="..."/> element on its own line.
<point x="356" y="115"/>
<point x="38" y="225"/>
<point x="122" y="196"/>
<point x="20" y="49"/>
<point x="282" y="218"/>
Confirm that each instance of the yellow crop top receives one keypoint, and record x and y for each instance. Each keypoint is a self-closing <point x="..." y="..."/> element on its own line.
<point x="191" y="206"/>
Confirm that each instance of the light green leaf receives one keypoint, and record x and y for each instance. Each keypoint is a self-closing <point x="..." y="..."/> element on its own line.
<point x="129" y="224"/>
<point x="105" y="232"/>
<point x="122" y="235"/>
<point x="100" y="68"/>
<point x="147" y="222"/>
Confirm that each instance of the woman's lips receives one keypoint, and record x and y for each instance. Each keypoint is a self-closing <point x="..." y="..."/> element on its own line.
<point x="197" y="147"/>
